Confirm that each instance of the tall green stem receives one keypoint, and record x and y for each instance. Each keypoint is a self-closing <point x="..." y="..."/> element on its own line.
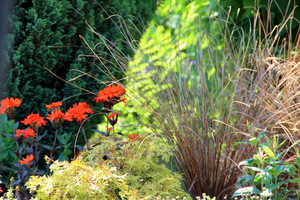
<point x="53" y="146"/>
<point x="85" y="138"/>
<point x="36" y="146"/>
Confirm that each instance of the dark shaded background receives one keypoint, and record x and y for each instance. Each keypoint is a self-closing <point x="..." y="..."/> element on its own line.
<point x="5" y="10"/>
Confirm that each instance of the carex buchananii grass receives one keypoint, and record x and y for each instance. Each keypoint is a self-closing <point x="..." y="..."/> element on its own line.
<point x="201" y="96"/>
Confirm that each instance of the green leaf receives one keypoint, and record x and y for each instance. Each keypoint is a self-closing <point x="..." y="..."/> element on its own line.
<point x="67" y="152"/>
<point x="245" y="191"/>
<point x="244" y="180"/>
<point x="44" y="146"/>
<point x="256" y="169"/>
<point x="248" y="162"/>
<point x="61" y="157"/>
<point x="260" y="136"/>
<point x="63" y="139"/>
<point x="274" y="186"/>
<point x="269" y="152"/>
<point x="16" y="125"/>
<point x="253" y="141"/>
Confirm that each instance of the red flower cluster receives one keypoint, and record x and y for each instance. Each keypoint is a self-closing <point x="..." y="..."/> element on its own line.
<point x="26" y="133"/>
<point x="8" y="105"/>
<point x="134" y="137"/>
<point x="1" y="190"/>
<point x="26" y="160"/>
<point x="78" y="111"/>
<point x="112" y="92"/>
<point x="54" y="105"/>
<point x="34" y="120"/>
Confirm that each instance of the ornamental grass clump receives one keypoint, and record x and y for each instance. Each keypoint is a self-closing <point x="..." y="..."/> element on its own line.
<point x="200" y="86"/>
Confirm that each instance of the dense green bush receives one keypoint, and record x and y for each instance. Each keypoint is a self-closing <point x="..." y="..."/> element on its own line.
<point x="45" y="33"/>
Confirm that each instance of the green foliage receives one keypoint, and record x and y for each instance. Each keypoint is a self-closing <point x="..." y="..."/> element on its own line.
<point x="80" y="181"/>
<point x="263" y="174"/>
<point x="7" y="147"/>
<point x="143" y="163"/>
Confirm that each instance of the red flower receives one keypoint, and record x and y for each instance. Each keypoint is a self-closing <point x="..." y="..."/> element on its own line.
<point x="134" y="137"/>
<point x="26" y="133"/>
<point x="78" y="111"/>
<point x="109" y="128"/>
<point x="26" y="160"/>
<point x="112" y="115"/>
<point x="34" y="120"/>
<point x="54" y="105"/>
<point x="57" y="117"/>
<point x="1" y="190"/>
<point x="79" y="154"/>
<point x="112" y="92"/>
<point x="8" y="105"/>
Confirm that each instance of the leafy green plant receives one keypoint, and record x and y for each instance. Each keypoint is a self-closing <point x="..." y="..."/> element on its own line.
<point x="142" y="159"/>
<point x="264" y="171"/>
<point x="7" y="147"/>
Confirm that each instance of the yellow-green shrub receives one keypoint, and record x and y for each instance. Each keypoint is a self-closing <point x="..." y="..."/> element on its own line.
<point x="143" y="161"/>
<point x="77" y="180"/>
<point x="130" y="170"/>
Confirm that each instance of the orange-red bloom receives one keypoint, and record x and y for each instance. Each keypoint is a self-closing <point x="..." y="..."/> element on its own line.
<point x="54" y="105"/>
<point x="112" y="115"/>
<point x="26" y="133"/>
<point x="112" y="92"/>
<point x="134" y="137"/>
<point x="34" y="120"/>
<point x="8" y="105"/>
<point x="109" y="128"/>
<point x="26" y="160"/>
<point x="57" y="117"/>
<point x="78" y="111"/>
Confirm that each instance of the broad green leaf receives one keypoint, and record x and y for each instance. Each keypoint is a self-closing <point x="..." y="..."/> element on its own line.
<point x="245" y="191"/>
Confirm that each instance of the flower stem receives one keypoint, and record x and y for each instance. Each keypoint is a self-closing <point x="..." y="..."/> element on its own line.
<point x="36" y="147"/>
<point x="53" y="146"/>
<point x="85" y="138"/>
